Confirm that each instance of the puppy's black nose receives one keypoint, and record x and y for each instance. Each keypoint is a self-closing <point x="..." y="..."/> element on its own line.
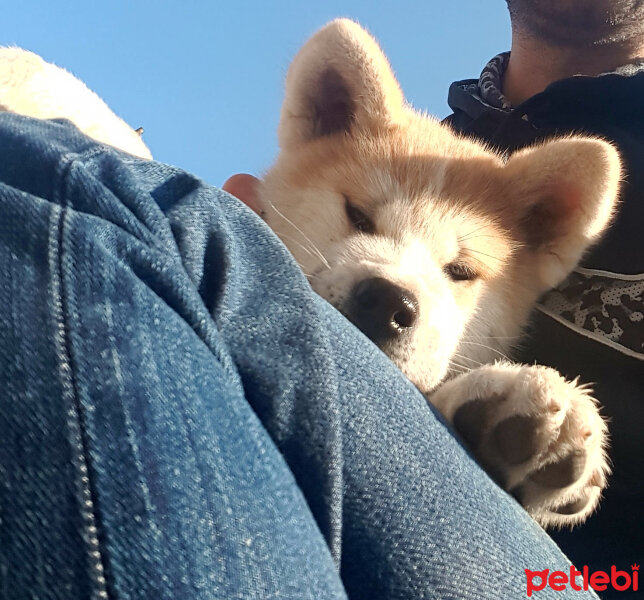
<point x="382" y="310"/>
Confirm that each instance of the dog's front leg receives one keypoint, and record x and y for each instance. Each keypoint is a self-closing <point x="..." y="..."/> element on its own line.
<point x="539" y="436"/>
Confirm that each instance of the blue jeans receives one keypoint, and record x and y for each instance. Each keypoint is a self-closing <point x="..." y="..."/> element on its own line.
<point x="182" y="417"/>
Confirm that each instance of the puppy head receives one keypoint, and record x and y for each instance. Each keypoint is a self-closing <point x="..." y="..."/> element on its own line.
<point x="430" y="243"/>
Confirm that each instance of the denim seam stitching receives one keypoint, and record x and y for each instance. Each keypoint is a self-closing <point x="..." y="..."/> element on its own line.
<point x="68" y="161"/>
<point x="81" y="159"/>
<point x="68" y="384"/>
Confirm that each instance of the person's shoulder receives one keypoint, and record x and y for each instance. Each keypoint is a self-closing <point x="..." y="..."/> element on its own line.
<point x="461" y="98"/>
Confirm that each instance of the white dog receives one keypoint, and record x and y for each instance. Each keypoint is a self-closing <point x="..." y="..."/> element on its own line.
<point x="433" y="245"/>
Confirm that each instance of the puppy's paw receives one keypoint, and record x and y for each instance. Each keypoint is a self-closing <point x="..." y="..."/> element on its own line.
<point x="539" y="436"/>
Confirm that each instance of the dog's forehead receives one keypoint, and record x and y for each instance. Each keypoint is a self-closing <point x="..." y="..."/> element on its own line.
<point x="385" y="172"/>
<point x="387" y="183"/>
<point x="414" y="196"/>
<point x="395" y="167"/>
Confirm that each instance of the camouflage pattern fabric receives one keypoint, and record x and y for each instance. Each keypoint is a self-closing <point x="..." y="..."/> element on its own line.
<point x="606" y="307"/>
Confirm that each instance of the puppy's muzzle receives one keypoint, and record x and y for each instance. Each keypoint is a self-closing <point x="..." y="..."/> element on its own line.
<point x="382" y="310"/>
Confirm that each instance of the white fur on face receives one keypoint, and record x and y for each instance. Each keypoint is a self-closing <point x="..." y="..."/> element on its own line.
<point x="423" y="355"/>
<point x="412" y="242"/>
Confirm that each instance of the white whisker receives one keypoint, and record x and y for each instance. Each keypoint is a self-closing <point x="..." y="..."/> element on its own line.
<point x="312" y="245"/>
<point x="486" y="347"/>
<point x="470" y="250"/>
<point x="463" y="357"/>
<point x="300" y="244"/>
<point x="468" y="236"/>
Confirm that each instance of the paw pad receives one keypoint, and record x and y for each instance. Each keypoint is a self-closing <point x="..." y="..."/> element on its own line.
<point x="538" y="436"/>
<point x="470" y="418"/>
<point x="517" y="438"/>
<point x="561" y="473"/>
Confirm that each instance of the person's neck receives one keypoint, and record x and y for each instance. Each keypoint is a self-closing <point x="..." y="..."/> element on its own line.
<point x="534" y="65"/>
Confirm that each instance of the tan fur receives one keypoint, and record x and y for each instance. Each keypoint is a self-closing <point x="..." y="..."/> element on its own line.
<point x="432" y="198"/>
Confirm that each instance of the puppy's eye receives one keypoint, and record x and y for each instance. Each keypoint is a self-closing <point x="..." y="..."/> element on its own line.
<point x="359" y="220"/>
<point x="458" y="271"/>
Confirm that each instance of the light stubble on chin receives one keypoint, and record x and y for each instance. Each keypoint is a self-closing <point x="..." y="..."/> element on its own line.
<point x="580" y="23"/>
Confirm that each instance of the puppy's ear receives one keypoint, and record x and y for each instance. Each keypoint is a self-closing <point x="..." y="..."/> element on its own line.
<point x="562" y="196"/>
<point x="340" y="81"/>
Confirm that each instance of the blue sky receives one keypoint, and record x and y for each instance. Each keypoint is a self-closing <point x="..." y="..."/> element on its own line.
<point x="205" y="79"/>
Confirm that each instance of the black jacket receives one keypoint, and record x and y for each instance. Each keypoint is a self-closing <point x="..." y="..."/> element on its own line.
<point x="604" y="344"/>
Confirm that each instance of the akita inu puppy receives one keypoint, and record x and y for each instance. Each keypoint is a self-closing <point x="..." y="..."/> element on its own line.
<point x="437" y="248"/>
<point x="433" y="245"/>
